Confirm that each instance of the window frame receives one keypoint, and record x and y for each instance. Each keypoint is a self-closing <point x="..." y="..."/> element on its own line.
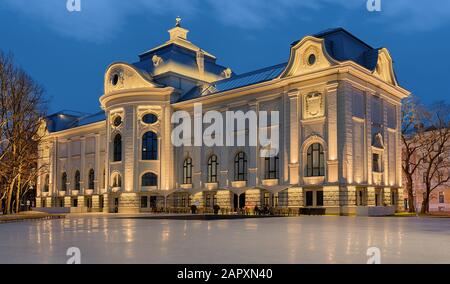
<point x="240" y="167"/>
<point x="149" y="147"/>
<point x="271" y="168"/>
<point x="64" y="181"/>
<point x="149" y="179"/>
<point x="187" y="171"/>
<point x="77" y="183"/>
<point x="212" y="169"/>
<point x="315" y="150"/>
<point x="117" y="148"/>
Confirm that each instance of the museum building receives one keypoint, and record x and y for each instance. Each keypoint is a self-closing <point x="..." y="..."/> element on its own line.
<point x="339" y="145"/>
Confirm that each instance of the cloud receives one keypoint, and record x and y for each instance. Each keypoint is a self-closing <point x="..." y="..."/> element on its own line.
<point x="100" y="20"/>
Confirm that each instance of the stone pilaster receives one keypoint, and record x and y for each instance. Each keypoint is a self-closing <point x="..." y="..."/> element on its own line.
<point x="96" y="203"/>
<point x="38" y="202"/>
<point x="332" y="124"/>
<point x="371" y="196"/>
<point x="294" y="132"/>
<point x="106" y="203"/>
<point x="48" y="202"/>
<point x="67" y="201"/>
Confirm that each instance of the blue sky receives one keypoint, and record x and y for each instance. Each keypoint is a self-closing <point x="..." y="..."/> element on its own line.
<point x="68" y="52"/>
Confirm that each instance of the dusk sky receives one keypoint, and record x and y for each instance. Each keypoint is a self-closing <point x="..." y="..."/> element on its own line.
<point x="68" y="53"/>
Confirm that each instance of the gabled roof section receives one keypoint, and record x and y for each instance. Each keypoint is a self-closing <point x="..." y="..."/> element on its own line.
<point x="65" y="120"/>
<point x="235" y="82"/>
<point x="343" y="45"/>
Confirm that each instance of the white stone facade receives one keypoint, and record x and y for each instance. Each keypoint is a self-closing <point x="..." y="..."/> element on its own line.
<point x="353" y="114"/>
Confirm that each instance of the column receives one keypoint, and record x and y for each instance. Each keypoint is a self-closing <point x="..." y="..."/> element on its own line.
<point x="82" y="166"/>
<point x="98" y="173"/>
<point x="254" y="151"/>
<point x="332" y="173"/>
<point x="294" y="118"/>
<point x="370" y="196"/>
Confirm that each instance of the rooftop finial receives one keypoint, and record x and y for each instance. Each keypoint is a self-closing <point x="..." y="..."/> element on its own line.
<point x="178" y="21"/>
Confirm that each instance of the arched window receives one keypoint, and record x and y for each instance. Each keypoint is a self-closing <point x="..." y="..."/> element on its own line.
<point x="116" y="180"/>
<point x="315" y="164"/>
<point x="212" y="169"/>
<point x="91" y="179"/>
<point x="150" y="146"/>
<point x="271" y="168"/>
<point x="64" y="182"/>
<point x="187" y="171"/>
<point x="46" y="183"/>
<point x="240" y="167"/>
<point x="117" y="148"/>
<point x="77" y="180"/>
<point x="149" y="179"/>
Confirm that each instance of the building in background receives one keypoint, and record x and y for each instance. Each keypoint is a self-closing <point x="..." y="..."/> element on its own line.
<point x="339" y="104"/>
<point x="439" y="200"/>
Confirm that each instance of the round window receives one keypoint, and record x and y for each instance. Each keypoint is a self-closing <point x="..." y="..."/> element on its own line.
<point x="117" y="121"/>
<point x="311" y="59"/>
<point x="149" y="118"/>
<point x="115" y="79"/>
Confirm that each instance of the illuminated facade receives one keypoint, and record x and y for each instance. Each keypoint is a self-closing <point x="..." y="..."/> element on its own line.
<point x="339" y="105"/>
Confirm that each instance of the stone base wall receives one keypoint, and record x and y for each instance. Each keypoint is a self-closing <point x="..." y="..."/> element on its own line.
<point x="225" y="199"/>
<point x="337" y="200"/>
<point x="347" y="196"/>
<point x="67" y="201"/>
<point x="129" y="203"/>
<point x="295" y="197"/>
<point x="199" y="200"/>
<point x="253" y="198"/>
<point x="48" y="202"/>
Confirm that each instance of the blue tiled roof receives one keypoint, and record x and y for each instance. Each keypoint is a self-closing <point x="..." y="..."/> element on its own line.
<point x="251" y="78"/>
<point x="64" y="120"/>
<point x="179" y="55"/>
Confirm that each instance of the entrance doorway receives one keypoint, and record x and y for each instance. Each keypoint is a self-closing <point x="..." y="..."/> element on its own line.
<point x="242" y="201"/>
<point x="116" y="205"/>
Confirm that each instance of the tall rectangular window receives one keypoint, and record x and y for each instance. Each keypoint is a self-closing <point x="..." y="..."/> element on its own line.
<point x="359" y="107"/>
<point x="377" y="163"/>
<point x="441" y="197"/>
<point x="377" y="113"/>
<point x="309" y="199"/>
<point x="144" y="200"/>
<point x="319" y="198"/>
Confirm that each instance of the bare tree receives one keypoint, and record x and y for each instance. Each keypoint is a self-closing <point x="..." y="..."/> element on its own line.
<point x="22" y="106"/>
<point x="413" y="116"/>
<point x="436" y="151"/>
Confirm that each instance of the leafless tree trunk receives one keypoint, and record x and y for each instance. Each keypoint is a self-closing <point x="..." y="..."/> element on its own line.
<point x="413" y="114"/>
<point x="436" y="153"/>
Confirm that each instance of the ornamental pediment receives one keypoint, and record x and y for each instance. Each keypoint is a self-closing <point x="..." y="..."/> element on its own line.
<point x="308" y="55"/>
<point x="122" y="76"/>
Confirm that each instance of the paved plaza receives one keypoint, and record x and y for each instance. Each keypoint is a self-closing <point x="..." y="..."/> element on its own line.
<point x="321" y="239"/>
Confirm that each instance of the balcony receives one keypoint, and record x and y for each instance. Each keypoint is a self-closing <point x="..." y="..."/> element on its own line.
<point x="186" y="186"/>
<point x="211" y="185"/>
<point x="269" y="182"/>
<point x="239" y="183"/>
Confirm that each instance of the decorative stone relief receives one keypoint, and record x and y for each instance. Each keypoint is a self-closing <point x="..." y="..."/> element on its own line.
<point x="313" y="106"/>
<point x="227" y="73"/>
<point x="157" y="60"/>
